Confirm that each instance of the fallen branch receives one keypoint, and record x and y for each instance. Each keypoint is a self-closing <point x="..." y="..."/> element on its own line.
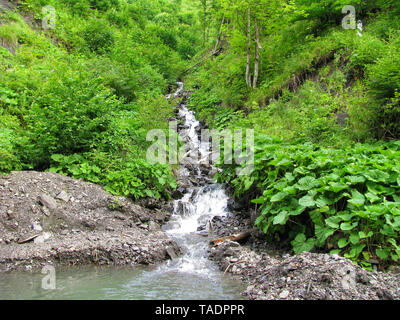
<point x="236" y="237"/>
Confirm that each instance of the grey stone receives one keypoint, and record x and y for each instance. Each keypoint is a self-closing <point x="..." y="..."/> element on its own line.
<point x="48" y="201"/>
<point x="63" y="196"/>
<point x="171" y="252"/>
<point x="153" y="226"/>
<point x="284" y="294"/>
<point x="42" y="238"/>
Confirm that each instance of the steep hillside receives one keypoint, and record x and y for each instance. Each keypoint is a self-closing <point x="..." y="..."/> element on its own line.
<point x="323" y="101"/>
<point x="78" y="94"/>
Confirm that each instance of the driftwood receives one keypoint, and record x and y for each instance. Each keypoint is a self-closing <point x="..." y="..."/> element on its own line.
<point x="28" y="238"/>
<point x="236" y="237"/>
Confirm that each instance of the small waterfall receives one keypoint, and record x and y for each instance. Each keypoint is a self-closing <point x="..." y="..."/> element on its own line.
<point x="190" y="223"/>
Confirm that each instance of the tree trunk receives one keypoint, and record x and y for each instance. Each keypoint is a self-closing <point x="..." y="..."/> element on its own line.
<point x="219" y="35"/>
<point x="248" y="75"/>
<point x="204" y="22"/>
<point x="257" y="53"/>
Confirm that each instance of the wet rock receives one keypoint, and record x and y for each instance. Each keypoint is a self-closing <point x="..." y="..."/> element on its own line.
<point x="171" y="253"/>
<point x="178" y="193"/>
<point x="234" y="205"/>
<point x="194" y="194"/>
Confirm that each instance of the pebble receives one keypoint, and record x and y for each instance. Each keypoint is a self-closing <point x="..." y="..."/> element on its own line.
<point x="48" y="201"/>
<point x="42" y="238"/>
<point x="37" y="227"/>
<point x="63" y="196"/>
<point x="284" y="294"/>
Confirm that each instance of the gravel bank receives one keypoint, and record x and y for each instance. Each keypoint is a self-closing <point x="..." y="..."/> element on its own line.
<point x="270" y="273"/>
<point x="48" y="218"/>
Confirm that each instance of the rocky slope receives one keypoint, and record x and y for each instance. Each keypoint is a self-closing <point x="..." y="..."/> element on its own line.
<point x="47" y="218"/>
<point x="270" y="273"/>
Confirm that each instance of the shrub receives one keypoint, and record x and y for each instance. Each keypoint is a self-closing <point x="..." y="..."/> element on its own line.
<point x="344" y="201"/>
<point x="69" y="117"/>
<point x="104" y="5"/>
<point x="369" y="50"/>
<point x="384" y="84"/>
<point x="99" y="37"/>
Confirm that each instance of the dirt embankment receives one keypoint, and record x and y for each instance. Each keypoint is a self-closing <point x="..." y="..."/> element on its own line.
<point x="47" y="218"/>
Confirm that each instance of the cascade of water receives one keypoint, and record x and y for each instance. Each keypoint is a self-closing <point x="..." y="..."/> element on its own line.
<point x="199" y="204"/>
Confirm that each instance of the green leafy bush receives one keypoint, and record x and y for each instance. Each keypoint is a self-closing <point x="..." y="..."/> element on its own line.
<point x="344" y="201"/>
<point x="366" y="53"/>
<point x="99" y="37"/>
<point x="104" y="5"/>
<point x="140" y="179"/>
<point x="137" y="179"/>
<point x="384" y="84"/>
<point x="69" y="116"/>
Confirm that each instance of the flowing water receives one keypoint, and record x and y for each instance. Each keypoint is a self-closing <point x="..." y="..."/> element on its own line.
<point x="191" y="276"/>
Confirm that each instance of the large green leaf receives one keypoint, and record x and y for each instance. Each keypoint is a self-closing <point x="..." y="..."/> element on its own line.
<point x="281" y="218"/>
<point x="279" y="196"/>
<point x="306" y="183"/>
<point x="372" y="197"/>
<point x="307" y="201"/>
<point x="357" y="198"/>
<point x="347" y="226"/>
<point x="382" y="253"/>
<point x="302" y="244"/>
<point x="322" y="233"/>
<point x="333" y="222"/>
<point x="376" y="175"/>
<point x="342" y="242"/>
<point x="336" y="187"/>
<point x="356" y="179"/>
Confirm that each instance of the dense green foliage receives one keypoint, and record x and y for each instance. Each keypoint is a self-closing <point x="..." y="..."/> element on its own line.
<point x="79" y="99"/>
<point x="296" y="47"/>
<point x="346" y="201"/>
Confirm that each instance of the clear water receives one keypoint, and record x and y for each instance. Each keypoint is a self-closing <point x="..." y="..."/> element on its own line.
<point x="191" y="276"/>
<point x="111" y="283"/>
